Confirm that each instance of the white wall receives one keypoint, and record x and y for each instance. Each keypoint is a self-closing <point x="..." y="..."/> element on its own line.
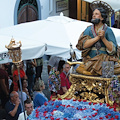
<point x="44" y="9"/>
<point x="7" y="10"/>
<point x="7" y="13"/>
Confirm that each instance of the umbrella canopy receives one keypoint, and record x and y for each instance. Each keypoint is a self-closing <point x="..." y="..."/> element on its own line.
<point x="115" y="4"/>
<point x="58" y="32"/>
<point x="29" y="49"/>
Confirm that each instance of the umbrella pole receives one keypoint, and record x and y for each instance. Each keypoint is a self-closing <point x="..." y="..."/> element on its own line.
<point x="23" y="108"/>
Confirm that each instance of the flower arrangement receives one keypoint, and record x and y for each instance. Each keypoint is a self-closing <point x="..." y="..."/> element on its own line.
<point x="114" y="91"/>
<point x="54" y="80"/>
<point x="71" y="109"/>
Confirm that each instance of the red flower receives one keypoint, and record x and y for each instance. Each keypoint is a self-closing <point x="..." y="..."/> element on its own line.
<point x="52" y="103"/>
<point x="77" y="108"/>
<point x="100" y="103"/>
<point x="74" y="100"/>
<point x="37" y="115"/>
<point x="45" y="111"/>
<point x="54" y="110"/>
<point x="93" y="115"/>
<point x="101" y="118"/>
<point x="65" y="118"/>
<point x="108" y="104"/>
<point x="67" y="106"/>
<point x="84" y="100"/>
<point x="93" y="108"/>
<point x="85" y="116"/>
<point x="110" y="107"/>
<point x="59" y="99"/>
<point x="58" y="119"/>
<point x="90" y="103"/>
<point x="96" y="113"/>
<point x="112" y="119"/>
<point x="114" y="109"/>
<point x="44" y="114"/>
<point x="67" y="98"/>
<point x="109" y="114"/>
<point x="53" y="100"/>
<point x="94" y="103"/>
<point x="90" y="117"/>
<point x="116" y="116"/>
<point x="79" y="100"/>
<point x="63" y="105"/>
<point x="85" y="109"/>
<point x="45" y="103"/>
<point x="81" y="109"/>
<point x="106" y="116"/>
<point x="51" y="117"/>
<point x="52" y="113"/>
<point x="57" y="106"/>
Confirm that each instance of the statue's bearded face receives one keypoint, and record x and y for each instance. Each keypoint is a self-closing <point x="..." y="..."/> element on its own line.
<point x="96" y="17"/>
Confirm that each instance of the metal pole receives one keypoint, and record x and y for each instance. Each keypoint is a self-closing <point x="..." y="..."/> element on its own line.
<point x="23" y="108"/>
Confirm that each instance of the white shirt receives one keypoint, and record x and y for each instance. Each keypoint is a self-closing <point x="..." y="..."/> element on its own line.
<point x="21" y="116"/>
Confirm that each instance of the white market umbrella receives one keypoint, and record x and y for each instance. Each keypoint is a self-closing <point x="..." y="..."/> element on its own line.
<point x="115" y="4"/>
<point x="30" y="49"/>
<point x="58" y="32"/>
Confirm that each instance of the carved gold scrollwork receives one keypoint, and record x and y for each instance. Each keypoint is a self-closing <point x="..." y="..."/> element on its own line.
<point x="94" y="89"/>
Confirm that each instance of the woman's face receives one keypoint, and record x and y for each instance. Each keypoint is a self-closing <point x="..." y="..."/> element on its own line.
<point x="42" y="87"/>
<point x="97" y="15"/>
<point x="25" y="84"/>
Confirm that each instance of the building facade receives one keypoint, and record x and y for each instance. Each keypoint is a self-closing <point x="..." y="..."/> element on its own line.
<point x="19" y="11"/>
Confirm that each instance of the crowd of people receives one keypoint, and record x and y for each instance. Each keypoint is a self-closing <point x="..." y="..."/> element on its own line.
<point x="11" y="96"/>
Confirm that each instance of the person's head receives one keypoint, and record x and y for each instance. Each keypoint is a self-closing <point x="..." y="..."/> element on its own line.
<point x="39" y="85"/>
<point x="66" y="67"/>
<point x="23" y="83"/>
<point x="60" y="65"/>
<point x="99" y="15"/>
<point x="28" y="106"/>
<point x="14" y="96"/>
<point x="21" y="65"/>
<point x="116" y="21"/>
<point x="5" y="66"/>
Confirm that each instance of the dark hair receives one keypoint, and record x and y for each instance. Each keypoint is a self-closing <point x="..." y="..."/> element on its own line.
<point x="60" y="65"/>
<point x="28" y="101"/>
<point x="103" y="14"/>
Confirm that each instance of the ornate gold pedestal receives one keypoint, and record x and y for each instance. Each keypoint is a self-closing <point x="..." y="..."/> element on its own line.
<point x="94" y="89"/>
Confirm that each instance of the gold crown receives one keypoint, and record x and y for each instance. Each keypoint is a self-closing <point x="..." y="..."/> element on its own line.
<point x="104" y="5"/>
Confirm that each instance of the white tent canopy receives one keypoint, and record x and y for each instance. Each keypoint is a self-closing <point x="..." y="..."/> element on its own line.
<point x="115" y="4"/>
<point x="58" y="32"/>
<point x="29" y="49"/>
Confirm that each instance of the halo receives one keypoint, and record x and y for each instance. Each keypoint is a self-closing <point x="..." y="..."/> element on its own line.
<point x="104" y="5"/>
